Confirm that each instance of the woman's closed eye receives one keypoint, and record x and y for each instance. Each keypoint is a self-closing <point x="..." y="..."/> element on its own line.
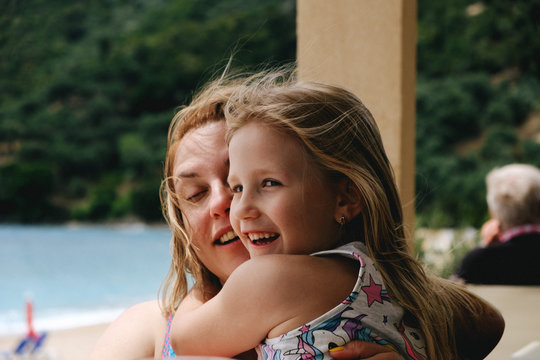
<point x="196" y="196"/>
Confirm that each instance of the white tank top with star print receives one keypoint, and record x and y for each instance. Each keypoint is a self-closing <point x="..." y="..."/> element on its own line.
<point x="367" y="314"/>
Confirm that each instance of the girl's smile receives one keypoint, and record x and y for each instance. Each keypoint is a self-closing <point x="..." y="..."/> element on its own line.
<point x="261" y="239"/>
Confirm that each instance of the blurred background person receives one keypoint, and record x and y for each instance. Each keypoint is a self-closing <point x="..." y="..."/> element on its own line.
<point x="510" y="253"/>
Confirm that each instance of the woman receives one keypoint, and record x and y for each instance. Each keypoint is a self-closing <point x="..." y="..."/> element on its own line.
<point x="203" y="244"/>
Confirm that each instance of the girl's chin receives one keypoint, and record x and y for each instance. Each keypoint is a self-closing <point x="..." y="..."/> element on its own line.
<point x="262" y="250"/>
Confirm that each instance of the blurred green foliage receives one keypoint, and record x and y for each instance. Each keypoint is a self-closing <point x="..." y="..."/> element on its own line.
<point x="26" y="190"/>
<point x="88" y="90"/>
<point x="478" y="85"/>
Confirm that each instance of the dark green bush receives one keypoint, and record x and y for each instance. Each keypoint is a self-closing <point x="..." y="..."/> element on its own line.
<point x="25" y="193"/>
<point x="145" y="201"/>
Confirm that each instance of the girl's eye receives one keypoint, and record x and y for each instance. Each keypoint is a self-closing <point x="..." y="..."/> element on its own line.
<point x="237" y="189"/>
<point x="270" y="183"/>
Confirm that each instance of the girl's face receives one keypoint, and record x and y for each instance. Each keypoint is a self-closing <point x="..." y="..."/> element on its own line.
<point x="200" y="170"/>
<point x="281" y="203"/>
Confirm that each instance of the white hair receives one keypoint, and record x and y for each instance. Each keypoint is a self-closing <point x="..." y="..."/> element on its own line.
<point x="513" y="194"/>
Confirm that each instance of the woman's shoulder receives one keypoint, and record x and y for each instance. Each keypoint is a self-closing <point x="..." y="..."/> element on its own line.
<point x="144" y="309"/>
<point x="148" y="313"/>
<point x="136" y="333"/>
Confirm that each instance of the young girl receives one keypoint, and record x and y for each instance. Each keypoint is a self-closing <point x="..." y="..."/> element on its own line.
<point x="309" y="174"/>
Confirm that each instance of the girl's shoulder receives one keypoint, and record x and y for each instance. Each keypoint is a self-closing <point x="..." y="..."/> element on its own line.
<point x="275" y="266"/>
<point x="282" y="277"/>
<point x="268" y="270"/>
<point x="284" y="282"/>
<point x="355" y="249"/>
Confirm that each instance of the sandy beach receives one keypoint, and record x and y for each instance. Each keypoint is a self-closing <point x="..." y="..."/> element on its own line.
<point x="71" y="344"/>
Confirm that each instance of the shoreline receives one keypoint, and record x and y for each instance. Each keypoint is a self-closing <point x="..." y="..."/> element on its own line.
<point x="107" y="224"/>
<point x="65" y="344"/>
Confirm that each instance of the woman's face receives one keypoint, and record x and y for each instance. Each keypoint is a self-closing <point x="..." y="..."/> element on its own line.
<point x="200" y="170"/>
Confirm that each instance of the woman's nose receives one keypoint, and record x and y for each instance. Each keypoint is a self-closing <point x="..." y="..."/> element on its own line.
<point x="220" y="203"/>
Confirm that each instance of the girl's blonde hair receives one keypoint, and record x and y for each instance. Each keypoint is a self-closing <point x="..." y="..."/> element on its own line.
<point x="206" y="107"/>
<point x="340" y="135"/>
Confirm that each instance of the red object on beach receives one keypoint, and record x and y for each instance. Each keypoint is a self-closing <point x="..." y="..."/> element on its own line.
<point x="32" y="342"/>
<point x="31" y="332"/>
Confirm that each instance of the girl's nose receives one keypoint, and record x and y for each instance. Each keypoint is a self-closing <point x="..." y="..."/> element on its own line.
<point x="244" y="207"/>
<point x="220" y="203"/>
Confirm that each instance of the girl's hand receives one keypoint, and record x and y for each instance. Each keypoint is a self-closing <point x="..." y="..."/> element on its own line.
<point x="364" y="350"/>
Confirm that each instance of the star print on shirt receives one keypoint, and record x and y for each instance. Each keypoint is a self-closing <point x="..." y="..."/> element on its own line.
<point x="375" y="292"/>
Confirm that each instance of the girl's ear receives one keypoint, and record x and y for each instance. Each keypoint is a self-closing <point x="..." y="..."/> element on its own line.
<point x="349" y="202"/>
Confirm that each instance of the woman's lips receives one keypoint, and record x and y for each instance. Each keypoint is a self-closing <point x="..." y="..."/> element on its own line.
<point x="227" y="238"/>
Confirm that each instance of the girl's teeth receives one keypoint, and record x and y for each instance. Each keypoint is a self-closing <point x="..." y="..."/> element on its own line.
<point x="258" y="236"/>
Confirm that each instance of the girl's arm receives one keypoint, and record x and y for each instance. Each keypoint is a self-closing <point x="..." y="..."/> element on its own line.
<point x="264" y="297"/>
<point x="254" y="300"/>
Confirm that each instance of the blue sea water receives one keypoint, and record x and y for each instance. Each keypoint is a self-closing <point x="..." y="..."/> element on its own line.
<point x="77" y="275"/>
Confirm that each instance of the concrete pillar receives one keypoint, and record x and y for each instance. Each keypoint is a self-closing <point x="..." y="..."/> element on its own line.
<point x="368" y="47"/>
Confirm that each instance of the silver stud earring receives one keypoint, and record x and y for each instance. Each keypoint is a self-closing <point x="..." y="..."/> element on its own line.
<point x="342" y="220"/>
